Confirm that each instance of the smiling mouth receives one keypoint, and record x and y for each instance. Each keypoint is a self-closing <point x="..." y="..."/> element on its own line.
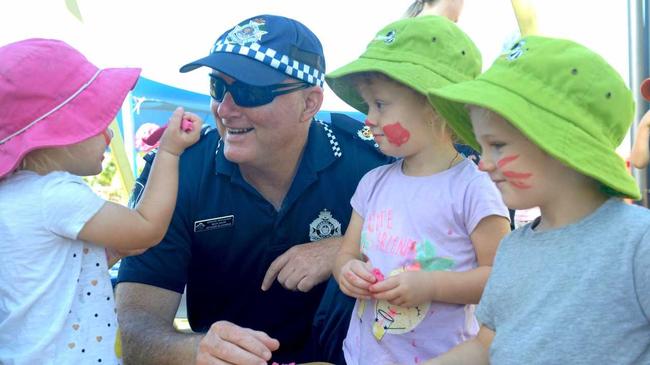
<point x="239" y="130"/>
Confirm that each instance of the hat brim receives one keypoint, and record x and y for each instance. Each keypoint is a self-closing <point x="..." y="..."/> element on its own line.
<point x="240" y="68"/>
<point x="85" y="116"/>
<point x="553" y="134"/>
<point x="412" y="75"/>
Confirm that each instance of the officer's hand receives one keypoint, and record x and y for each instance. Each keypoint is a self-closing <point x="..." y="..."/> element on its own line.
<point x="227" y="343"/>
<point x="303" y="266"/>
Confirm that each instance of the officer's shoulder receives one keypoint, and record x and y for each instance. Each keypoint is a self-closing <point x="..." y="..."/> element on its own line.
<point x="351" y="130"/>
<point x="209" y="137"/>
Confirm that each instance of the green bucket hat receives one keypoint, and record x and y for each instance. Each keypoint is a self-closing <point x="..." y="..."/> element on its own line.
<point x="563" y="97"/>
<point x="421" y="53"/>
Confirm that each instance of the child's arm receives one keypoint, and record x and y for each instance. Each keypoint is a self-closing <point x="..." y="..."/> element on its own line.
<point x="123" y="229"/>
<point x="353" y="275"/>
<point x="640" y="155"/>
<point x="416" y="287"/>
<point x="474" y="351"/>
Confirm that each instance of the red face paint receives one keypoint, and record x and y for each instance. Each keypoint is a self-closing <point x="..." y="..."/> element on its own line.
<point x="108" y="135"/>
<point x="396" y="134"/>
<point x="519" y="185"/>
<point x="506" y="160"/>
<point x="517" y="175"/>
<point x="513" y="177"/>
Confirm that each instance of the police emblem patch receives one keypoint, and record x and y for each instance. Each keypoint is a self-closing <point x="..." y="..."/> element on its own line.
<point x="365" y="133"/>
<point x="324" y="226"/>
<point x="248" y="33"/>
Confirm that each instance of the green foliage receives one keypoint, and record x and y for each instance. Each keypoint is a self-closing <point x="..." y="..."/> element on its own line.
<point x="107" y="184"/>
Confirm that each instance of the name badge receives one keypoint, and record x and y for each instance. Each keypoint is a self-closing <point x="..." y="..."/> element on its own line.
<point x="214" y="223"/>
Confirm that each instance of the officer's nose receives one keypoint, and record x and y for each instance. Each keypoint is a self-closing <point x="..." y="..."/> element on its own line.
<point x="227" y="107"/>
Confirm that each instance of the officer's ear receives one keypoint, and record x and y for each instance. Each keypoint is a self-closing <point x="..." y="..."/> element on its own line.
<point x="313" y="98"/>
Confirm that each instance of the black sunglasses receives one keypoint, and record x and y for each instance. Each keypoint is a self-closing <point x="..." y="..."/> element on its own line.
<point x="249" y="96"/>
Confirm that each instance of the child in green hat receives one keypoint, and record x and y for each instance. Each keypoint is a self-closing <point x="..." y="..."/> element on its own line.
<point x="424" y="230"/>
<point x="573" y="286"/>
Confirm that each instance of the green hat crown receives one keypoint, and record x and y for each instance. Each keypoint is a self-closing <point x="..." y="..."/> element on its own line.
<point x="562" y="96"/>
<point x="421" y="53"/>
<point x="570" y="80"/>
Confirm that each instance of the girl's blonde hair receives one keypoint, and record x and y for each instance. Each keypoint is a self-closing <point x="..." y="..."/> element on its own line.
<point x="42" y="161"/>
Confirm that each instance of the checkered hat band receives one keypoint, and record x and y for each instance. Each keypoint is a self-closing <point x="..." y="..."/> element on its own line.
<point x="278" y="61"/>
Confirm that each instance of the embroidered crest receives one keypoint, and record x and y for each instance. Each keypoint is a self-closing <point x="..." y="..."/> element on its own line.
<point x="388" y="38"/>
<point x="365" y="133"/>
<point x="516" y="51"/>
<point x="248" y="33"/>
<point x="324" y="226"/>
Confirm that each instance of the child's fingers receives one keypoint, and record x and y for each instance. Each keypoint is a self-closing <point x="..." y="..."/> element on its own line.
<point x="356" y="280"/>
<point x="352" y="291"/>
<point x="174" y="122"/>
<point x="194" y="119"/>
<point x="389" y="283"/>
<point x="391" y="295"/>
<point x="364" y="271"/>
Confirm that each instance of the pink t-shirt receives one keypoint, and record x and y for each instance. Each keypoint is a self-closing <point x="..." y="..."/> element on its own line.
<point x="417" y="223"/>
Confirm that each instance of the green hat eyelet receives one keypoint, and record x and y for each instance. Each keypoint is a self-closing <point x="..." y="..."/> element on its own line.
<point x="434" y="39"/>
<point x="462" y="52"/>
<point x="608" y="95"/>
<point x="574" y="71"/>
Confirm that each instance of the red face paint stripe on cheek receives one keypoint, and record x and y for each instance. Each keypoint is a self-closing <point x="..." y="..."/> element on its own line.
<point x="396" y="134"/>
<point x="506" y="160"/>
<point x="517" y="175"/>
<point x="519" y="185"/>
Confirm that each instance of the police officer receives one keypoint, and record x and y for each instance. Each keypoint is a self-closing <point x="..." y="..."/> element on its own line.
<point x="262" y="203"/>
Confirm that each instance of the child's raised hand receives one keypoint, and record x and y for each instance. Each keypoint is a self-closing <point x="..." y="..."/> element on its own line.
<point x="355" y="278"/>
<point x="179" y="133"/>
<point x="406" y="289"/>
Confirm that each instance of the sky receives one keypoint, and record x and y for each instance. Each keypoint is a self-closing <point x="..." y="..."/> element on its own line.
<point x="161" y="36"/>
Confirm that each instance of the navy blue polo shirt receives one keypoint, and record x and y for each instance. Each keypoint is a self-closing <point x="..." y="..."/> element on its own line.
<point x="224" y="235"/>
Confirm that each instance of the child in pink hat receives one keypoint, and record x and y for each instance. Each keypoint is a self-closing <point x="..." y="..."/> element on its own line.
<point x="56" y="299"/>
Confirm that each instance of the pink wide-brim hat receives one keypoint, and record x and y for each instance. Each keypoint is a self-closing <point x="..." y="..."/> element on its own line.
<point x="52" y="96"/>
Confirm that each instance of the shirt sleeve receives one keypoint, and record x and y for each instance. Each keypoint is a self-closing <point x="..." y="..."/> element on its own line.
<point x="166" y="264"/>
<point x="67" y="204"/>
<point x="642" y="274"/>
<point x="361" y="195"/>
<point x="482" y="199"/>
